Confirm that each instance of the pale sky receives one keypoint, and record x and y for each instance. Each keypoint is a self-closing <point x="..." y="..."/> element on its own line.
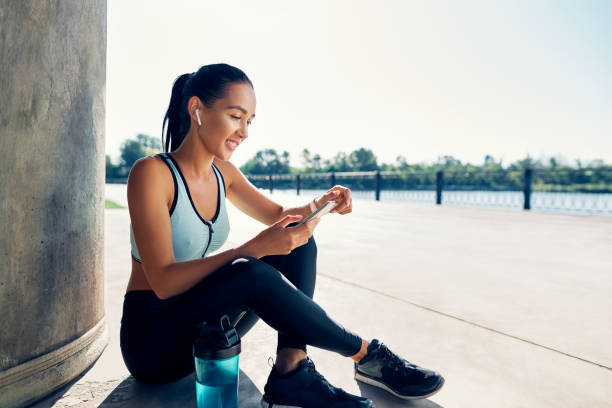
<point x="417" y="78"/>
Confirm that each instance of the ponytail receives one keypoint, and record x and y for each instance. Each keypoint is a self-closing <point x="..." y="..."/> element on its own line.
<point x="209" y="83"/>
<point x="176" y="116"/>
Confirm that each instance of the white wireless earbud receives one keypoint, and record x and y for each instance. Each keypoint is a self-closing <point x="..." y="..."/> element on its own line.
<point x="197" y="113"/>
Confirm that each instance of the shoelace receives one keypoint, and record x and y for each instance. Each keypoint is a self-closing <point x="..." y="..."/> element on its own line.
<point x="398" y="364"/>
<point x="311" y="367"/>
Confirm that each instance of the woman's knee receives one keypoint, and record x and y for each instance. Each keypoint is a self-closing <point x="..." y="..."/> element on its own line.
<point x="266" y="280"/>
<point x="256" y="269"/>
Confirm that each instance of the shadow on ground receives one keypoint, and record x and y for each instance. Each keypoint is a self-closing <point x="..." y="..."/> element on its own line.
<point x="383" y="399"/>
<point x="128" y="393"/>
<point x="131" y="393"/>
<point x="181" y="393"/>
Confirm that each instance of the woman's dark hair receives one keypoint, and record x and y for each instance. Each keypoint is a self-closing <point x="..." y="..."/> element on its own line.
<point x="209" y="83"/>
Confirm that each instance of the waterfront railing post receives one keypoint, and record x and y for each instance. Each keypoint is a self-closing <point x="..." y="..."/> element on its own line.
<point x="271" y="186"/>
<point x="527" y="189"/>
<point x="332" y="179"/>
<point x="439" y="183"/>
<point x="377" y="185"/>
<point x="297" y="184"/>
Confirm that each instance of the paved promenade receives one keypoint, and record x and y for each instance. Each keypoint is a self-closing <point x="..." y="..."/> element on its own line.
<point x="513" y="308"/>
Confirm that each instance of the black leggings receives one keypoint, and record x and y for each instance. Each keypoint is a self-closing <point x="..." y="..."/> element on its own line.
<point x="157" y="335"/>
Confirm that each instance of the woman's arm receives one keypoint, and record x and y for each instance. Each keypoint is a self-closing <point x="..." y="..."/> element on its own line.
<point x="250" y="201"/>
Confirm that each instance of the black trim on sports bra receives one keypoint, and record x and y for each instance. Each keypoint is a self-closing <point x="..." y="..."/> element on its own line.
<point x="162" y="156"/>
<point x="222" y="179"/>
<point x="208" y="223"/>
<point x="136" y="259"/>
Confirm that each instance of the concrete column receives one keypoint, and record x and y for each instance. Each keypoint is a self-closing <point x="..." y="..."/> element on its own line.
<point x="52" y="96"/>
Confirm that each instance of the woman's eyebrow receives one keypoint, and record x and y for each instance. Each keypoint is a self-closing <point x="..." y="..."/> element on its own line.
<point x="240" y="108"/>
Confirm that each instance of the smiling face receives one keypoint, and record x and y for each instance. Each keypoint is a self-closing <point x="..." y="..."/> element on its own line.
<point x="225" y="124"/>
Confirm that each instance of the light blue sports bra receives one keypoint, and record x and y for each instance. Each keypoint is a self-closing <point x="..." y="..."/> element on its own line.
<point x="192" y="236"/>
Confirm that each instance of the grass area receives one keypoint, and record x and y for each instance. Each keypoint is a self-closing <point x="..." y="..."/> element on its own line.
<point x="112" y="204"/>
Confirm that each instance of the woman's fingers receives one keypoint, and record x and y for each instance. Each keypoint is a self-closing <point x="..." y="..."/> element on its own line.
<point x="346" y="202"/>
<point x="329" y="196"/>
<point x="341" y="195"/>
<point x="301" y="233"/>
<point x="288" y="220"/>
<point x="346" y="211"/>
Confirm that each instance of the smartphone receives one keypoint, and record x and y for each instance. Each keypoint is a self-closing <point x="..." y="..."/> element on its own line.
<point x="319" y="212"/>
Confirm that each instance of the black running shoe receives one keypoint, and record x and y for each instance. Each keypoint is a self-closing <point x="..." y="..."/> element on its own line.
<point x="306" y="388"/>
<point x="384" y="369"/>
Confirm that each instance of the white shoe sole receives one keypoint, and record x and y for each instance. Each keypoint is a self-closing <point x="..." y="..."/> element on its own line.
<point x="368" y="380"/>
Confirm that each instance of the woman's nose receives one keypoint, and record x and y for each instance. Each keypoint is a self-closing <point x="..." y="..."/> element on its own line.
<point x="244" y="131"/>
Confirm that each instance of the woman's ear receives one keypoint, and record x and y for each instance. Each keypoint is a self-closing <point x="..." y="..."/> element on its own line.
<point x="193" y="107"/>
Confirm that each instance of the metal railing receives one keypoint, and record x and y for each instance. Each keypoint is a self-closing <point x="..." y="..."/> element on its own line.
<point x="584" y="190"/>
<point x="566" y="190"/>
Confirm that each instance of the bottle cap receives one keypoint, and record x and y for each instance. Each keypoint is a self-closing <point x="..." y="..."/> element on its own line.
<point x="217" y="342"/>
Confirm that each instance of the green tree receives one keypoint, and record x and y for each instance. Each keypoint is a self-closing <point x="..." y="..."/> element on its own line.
<point x="490" y="164"/>
<point x="111" y="169"/>
<point x="363" y="160"/>
<point x="553" y="163"/>
<point x="313" y="163"/>
<point x="149" y="144"/>
<point x="340" y="162"/>
<point x="306" y="159"/>
<point x="448" y="162"/>
<point x="488" y="160"/>
<point x="317" y="164"/>
<point x="131" y="150"/>
<point x="527" y="162"/>
<point x="401" y="163"/>
<point x="267" y="161"/>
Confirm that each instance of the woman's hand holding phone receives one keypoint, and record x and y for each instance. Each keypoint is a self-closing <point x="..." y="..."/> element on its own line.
<point x="278" y="239"/>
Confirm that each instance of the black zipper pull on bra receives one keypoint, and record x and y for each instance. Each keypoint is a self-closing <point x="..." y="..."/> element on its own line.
<point x="210" y="232"/>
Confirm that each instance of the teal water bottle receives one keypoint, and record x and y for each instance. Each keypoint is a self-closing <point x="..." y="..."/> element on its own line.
<point x="216" y="354"/>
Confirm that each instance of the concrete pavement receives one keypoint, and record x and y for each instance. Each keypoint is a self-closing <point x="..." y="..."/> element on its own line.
<point x="513" y="308"/>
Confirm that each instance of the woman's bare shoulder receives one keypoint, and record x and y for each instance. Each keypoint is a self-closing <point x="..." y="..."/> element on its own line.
<point x="147" y="169"/>
<point x="150" y="176"/>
